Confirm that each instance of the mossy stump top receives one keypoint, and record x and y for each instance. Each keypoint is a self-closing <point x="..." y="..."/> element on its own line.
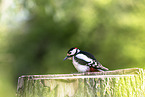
<point x="117" y="83"/>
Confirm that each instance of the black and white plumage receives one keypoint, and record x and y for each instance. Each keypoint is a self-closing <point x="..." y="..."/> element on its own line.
<point x="84" y="61"/>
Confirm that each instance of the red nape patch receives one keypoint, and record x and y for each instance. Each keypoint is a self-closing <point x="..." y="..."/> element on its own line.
<point x="93" y="70"/>
<point x="76" y="48"/>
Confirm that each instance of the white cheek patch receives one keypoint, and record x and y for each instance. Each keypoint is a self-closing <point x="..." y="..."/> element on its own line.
<point x="84" y="57"/>
<point x="73" y="52"/>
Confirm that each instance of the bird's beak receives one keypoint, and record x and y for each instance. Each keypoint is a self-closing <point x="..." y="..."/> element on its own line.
<point x="65" y="58"/>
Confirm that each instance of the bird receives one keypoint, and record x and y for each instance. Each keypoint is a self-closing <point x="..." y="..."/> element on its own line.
<point x="84" y="61"/>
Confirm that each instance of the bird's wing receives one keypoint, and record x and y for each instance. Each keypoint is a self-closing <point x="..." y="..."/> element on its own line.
<point x="83" y="59"/>
<point x="88" y="55"/>
<point x="95" y="64"/>
<point x="86" y="58"/>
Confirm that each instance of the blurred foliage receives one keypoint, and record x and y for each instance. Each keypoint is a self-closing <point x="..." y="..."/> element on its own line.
<point x="36" y="34"/>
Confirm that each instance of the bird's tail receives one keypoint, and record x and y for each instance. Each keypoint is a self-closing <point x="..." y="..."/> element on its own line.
<point x="100" y="67"/>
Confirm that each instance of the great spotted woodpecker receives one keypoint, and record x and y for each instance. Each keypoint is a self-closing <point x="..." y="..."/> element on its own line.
<point x="84" y="61"/>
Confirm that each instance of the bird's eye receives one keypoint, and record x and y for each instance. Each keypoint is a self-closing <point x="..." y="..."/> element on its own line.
<point x="69" y="53"/>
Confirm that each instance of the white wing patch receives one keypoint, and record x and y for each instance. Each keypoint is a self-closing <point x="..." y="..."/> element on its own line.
<point x="84" y="57"/>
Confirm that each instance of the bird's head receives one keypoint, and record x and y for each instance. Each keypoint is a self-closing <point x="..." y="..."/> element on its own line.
<point x="71" y="52"/>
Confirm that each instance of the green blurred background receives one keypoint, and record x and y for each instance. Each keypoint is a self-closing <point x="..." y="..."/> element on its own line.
<point x="36" y="34"/>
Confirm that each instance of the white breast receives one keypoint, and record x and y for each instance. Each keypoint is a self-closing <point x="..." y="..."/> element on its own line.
<point x="80" y="68"/>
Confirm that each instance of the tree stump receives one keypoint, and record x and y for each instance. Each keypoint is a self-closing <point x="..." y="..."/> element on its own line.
<point x="117" y="83"/>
